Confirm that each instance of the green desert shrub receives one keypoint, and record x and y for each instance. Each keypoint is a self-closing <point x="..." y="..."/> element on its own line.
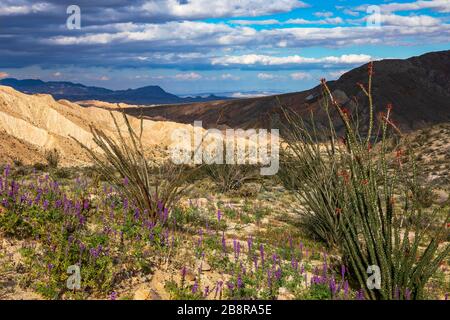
<point x="123" y="162"/>
<point x="362" y="197"/>
<point x="52" y="156"/>
<point x="231" y="177"/>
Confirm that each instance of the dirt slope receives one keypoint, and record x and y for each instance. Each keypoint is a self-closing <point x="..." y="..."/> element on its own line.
<point x="32" y="124"/>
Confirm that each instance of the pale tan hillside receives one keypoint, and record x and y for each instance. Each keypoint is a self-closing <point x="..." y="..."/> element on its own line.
<point x="32" y="124"/>
<point x="105" y="105"/>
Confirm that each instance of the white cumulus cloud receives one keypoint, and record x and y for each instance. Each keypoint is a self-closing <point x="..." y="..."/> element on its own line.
<point x="188" y="76"/>
<point x="266" y="60"/>
<point x="200" y="9"/>
<point x="300" y="76"/>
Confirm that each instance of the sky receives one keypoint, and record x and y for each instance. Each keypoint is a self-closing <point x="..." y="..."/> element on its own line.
<point x="212" y="46"/>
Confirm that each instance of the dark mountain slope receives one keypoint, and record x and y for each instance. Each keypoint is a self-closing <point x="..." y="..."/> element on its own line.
<point x="418" y="88"/>
<point x="78" y="92"/>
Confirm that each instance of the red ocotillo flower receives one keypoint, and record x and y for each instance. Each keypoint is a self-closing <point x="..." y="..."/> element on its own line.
<point x="346" y="112"/>
<point x="344" y="174"/>
<point x="370" y="68"/>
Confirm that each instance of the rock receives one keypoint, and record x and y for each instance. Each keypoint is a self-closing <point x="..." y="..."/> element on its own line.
<point x="154" y="295"/>
<point x="440" y="196"/>
<point x="203" y="265"/>
<point x="142" y="293"/>
<point x="284" y="294"/>
<point x="145" y="293"/>
<point x="190" y="275"/>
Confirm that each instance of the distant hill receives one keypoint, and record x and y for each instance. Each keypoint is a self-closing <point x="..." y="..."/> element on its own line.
<point x="78" y="92"/>
<point x="418" y="88"/>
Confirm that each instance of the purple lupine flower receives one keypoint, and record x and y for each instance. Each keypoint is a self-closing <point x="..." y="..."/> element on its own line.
<point x="324" y="269"/>
<point x="250" y="244"/>
<point x="159" y="205"/>
<point x="261" y="251"/>
<point x="224" y="244"/>
<point x="45" y="205"/>
<point x="294" y="263"/>
<point x="446" y="296"/>
<point x="195" y="287"/>
<point x="255" y="261"/>
<point x="136" y="214"/>
<point x="206" y="292"/>
<point x="6" y="171"/>
<point x="278" y="274"/>
<point x="302" y="269"/>
<point x="274" y="258"/>
<point x="269" y="278"/>
<point x="407" y="294"/>
<point x="183" y="274"/>
<point x="345" y="289"/>
<point x="86" y="204"/>
<point x="219" y="285"/>
<point x="165" y="215"/>
<point x="239" y="282"/>
<point x="125" y="203"/>
<point x="58" y="203"/>
<point x="113" y="296"/>
<point x="333" y="287"/>
<point x="219" y="215"/>
<point x="125" y="181"/>
<point x="360" y="295"/>
<point x="342" y="272"/>
<point x="94" y="252"/>
<point x="230" y="285"/>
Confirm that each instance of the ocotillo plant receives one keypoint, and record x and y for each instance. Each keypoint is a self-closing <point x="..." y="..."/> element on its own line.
<point x="122" y="161"/>
<point x="363" y="199"/>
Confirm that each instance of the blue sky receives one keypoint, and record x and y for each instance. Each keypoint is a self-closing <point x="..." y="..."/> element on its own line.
<point x="207" y="46"/>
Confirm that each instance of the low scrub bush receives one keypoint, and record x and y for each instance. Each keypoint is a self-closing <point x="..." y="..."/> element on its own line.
<point x="360" y="192"/>
<point x="153" y="187"/>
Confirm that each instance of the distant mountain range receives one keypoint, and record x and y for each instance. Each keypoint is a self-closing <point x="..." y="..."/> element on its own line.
<point x="78" y="92"/>
<point x="418" y="88"/>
